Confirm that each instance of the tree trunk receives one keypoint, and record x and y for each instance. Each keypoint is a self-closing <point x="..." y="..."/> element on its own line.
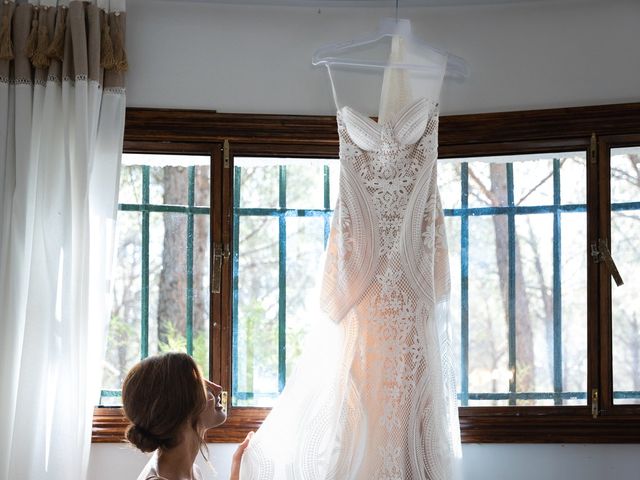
<point x="200" y="252"/>
<point x="524" y="374"/>
<point x="172" y="308"/>
<point x="547" y="300"/>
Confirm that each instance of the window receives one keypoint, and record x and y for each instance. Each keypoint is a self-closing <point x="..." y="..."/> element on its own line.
<point x="623" y="154"/>
<point x="547" y="344"/>
<point x="282" y="216"/>
<point x="516" y="228"/>
<point x="161" y="295"/>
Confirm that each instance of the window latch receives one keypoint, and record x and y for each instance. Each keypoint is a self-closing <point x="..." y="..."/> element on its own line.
<point x="225" y="154"/>
<point x="600" y="253"/>
<point x="223" y="400"/>
<point x="594" y="403"/>
<point x="219" y="254"/>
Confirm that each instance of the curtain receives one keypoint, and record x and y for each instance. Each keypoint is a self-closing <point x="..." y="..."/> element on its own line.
<point x="62" y="104"/>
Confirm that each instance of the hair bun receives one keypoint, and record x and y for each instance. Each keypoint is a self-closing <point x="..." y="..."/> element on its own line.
<point x="142" y="439"/>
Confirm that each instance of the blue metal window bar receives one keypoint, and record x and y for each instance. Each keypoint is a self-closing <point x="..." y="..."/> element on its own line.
<point x="511" y="210"/>
<point x="145" y="209"/>
<point x="625" y="207"/>
<point x="281" y="213"/>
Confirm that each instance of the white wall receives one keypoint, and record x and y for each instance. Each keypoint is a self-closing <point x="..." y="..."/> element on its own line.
<point x="257" y="59"/>
<point x="481" y="462"/>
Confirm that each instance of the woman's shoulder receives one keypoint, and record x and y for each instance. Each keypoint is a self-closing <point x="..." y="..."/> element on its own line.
<point x="150" y="470"/>
<point x="150" y="475"/>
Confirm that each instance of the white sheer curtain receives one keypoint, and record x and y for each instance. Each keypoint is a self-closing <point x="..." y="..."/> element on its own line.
<point x="62" y="105"/>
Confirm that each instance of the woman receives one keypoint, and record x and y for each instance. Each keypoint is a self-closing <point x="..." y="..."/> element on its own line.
<point x="170" y="407"/>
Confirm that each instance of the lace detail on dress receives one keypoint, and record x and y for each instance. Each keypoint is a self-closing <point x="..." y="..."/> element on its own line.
<point x="379" y="169"/>
<point x="388" y="411"/>
<point x="397" y="307"/>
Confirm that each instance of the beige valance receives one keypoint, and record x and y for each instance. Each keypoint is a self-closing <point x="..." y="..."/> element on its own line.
<point x="64" y="42"/>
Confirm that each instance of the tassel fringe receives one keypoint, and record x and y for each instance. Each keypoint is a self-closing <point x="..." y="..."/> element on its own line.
<point x="40" y="59"/>
<point x="56" y="49"/>
<point x="119" y="53"/>
<point x="6" y="44"/>
<point x="40" y="51"/>
<point x="32" y="39"/>
<point x="107" y="59"/>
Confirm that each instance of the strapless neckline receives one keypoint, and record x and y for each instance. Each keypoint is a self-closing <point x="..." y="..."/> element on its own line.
<point x="405" y="127"/>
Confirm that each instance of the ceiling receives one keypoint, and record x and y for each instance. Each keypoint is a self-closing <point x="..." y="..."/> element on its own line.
<point x="378" y="3"/>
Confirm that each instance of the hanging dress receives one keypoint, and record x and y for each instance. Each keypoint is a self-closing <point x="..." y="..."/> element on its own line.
<point x="373" y="395"/>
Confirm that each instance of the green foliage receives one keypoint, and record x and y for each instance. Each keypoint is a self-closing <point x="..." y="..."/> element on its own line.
<point x="177" y="342"/>
<point x="122" y="341"/>
<point x="201" y="352"/>
<point x="120" y="332"/>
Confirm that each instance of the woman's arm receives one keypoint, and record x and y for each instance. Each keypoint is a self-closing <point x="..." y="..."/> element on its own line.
<point x="237" y="457"/>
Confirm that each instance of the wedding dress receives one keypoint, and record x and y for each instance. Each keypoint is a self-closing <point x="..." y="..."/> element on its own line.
<point x="373" y="396"/>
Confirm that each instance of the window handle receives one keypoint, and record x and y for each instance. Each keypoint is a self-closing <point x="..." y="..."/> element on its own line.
<point x="223" y="400"/>
<point x="594" y="403"/>
<point x="219" y="254"/>
<point x="600" y="253"/>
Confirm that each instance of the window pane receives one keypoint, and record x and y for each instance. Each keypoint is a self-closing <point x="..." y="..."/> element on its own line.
<point x="523" y="339"/>
<point x="625" y="231"/>
<point x="130" y="184"/>
<point x="123" y="338"/>
<point x="488" y="332"/>
<point x="453" y="238"/>
<point x="203" y="185"/>
<point x="168" y="283"/>
<point x="201" y="288"/>
<point x="168" y="185"/>
<point x="305" y="184"/>
<point x="573" y="181"/>
<point x="522" y="315"/>
<point x="260" y="180"/>
<point x="479" y="180"/>
<point x="305" y="246"/>
<point x="168" y="178"/>
<point x="281" y="225"/>
<point x="573" y="286"/>
<point x="161" y="299"/>
<point x="449" y="183"/>
<point x="256" y="351"/>
<point x="533" y="183"/>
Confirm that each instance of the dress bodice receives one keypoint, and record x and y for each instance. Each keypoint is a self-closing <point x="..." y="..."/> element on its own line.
<point x="380" y="212"/>
<point x="405" y="127"/>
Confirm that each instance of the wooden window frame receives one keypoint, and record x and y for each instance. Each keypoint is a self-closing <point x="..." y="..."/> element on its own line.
<point x="535" y="131"/>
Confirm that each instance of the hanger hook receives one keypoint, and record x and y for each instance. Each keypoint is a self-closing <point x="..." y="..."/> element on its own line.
<point x="397" y="10"/>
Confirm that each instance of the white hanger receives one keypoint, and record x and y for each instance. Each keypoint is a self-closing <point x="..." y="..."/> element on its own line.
<point x="389" y="27"/>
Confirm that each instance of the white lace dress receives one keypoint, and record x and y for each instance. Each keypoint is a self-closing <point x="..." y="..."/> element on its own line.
<point x="373" y="397"/>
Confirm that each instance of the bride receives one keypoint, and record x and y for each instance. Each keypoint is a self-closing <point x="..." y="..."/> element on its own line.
<point x="171" y="407"/>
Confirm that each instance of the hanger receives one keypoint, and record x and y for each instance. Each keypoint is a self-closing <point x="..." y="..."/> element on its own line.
<point x="389" y="27"/>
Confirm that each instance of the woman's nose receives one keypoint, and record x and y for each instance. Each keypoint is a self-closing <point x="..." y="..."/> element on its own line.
<point x="215" y="388"/>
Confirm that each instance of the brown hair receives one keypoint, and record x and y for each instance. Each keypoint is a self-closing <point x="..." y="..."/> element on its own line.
<point x="159" y="395"/>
